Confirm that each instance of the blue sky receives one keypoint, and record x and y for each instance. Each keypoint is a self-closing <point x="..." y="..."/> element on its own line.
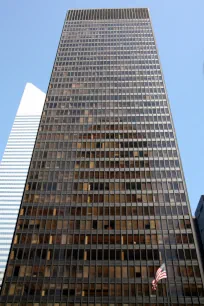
<point x="30" y="32"/>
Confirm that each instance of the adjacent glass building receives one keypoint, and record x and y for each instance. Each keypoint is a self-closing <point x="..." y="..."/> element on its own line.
<point x="14" y="165"/>
<point x="105" y="201"/>
<point x="199" y="219"/>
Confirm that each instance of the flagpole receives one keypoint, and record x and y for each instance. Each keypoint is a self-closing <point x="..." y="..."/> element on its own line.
<point x="167" y="292"/>
<point x="167" y="288"/>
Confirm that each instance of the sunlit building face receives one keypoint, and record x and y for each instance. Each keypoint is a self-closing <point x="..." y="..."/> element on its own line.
<point x="15" y="164"/>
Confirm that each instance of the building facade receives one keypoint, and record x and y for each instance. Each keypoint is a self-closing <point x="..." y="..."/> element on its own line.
<point x="14" y="165"/>
<point x="105" y="202"/>
<point x="199" y="219"/>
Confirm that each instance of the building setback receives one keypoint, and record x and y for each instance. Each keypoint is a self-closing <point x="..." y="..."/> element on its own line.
<point x="14" y="165"/>
<point x="105" y="202"/>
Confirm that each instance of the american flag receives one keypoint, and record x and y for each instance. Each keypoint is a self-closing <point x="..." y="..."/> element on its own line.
<point x="160" y="274"/>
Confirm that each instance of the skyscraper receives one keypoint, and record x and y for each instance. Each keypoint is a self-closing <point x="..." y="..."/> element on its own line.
<point x="199" y="218"/>
<point x="15" y="163"/>
<point x="105" y="202"/>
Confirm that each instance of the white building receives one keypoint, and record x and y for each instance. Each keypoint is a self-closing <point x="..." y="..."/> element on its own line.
<point x="15" y="164"/>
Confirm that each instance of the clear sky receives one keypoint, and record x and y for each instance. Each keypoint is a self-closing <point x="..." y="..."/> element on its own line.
<point x="29" y="35"/>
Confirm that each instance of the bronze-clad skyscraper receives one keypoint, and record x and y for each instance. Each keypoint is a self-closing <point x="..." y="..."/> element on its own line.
<point x="105" y="202"/>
